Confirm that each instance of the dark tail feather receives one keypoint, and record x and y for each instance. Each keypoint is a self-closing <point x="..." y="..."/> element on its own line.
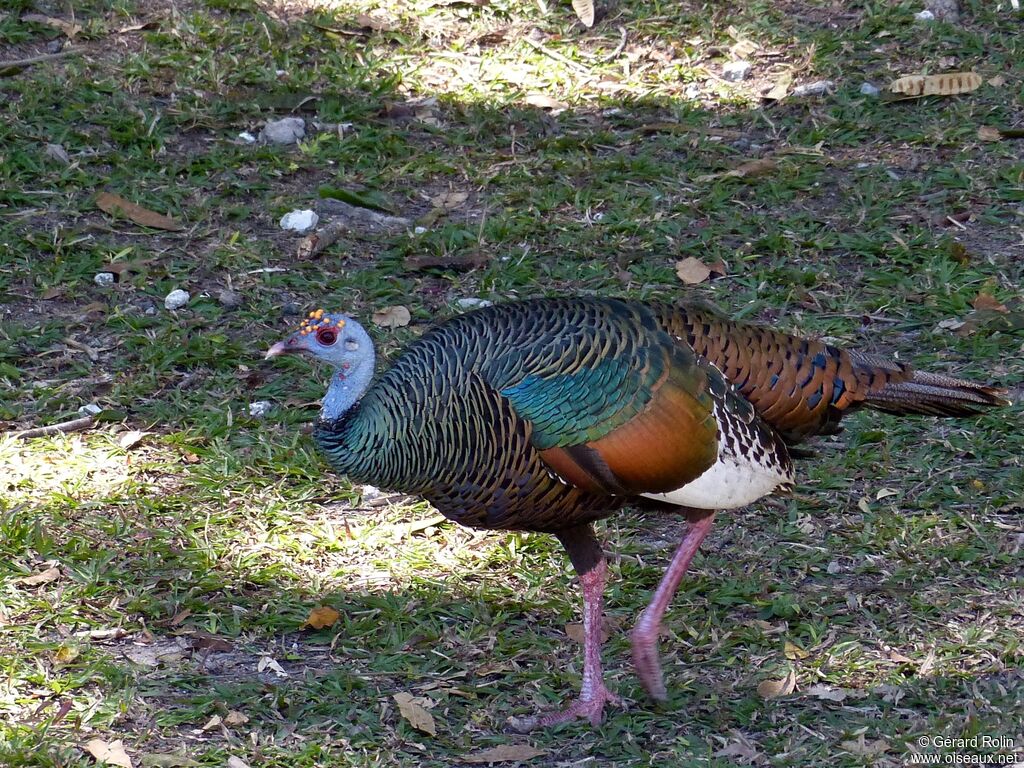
<point x="935" y="395"/>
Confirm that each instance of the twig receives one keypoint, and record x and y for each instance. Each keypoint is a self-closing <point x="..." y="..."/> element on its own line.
<point x="37" y="59"/>
<point x="75" y="425"/>
<point x="618" y="49"/>
<point x="557" y="56"/>
<point x="312" y="245"/>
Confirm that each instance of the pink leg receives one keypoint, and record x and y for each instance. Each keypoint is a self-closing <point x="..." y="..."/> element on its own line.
<point x="587" y="558"/>
<point x="645" y="633"/>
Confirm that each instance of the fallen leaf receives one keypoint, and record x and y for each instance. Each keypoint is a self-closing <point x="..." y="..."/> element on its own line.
<point x="794" y="652"/>
<point x="375" y="23"/>
<point x="986" y="301"/>
<point x="544" y="101"/>
<point x="862" y="747"/>
<point x="67" y="27"/>
<point x="321" y="617"/>
<point x="584" y="11"/>
<point x="66" y="654"/>
<point x="884" y="493"/>
<point x="392" y="317"/>
<point x="900" y="658"/>
<point x="742" y="749"/>
<point x="266" y="663"/>
<point x="781" y="87"/>
<point x="116" y="205"/>
<point x="131" y="438"/>
<point x="692" y="271"/>
<point x="213" y="722"/>
<point x="236" y="762"/>
<point x="773" y="689"/>
<point x="989" y="133"/>
<point x="503" y="753"/>
<point x="51" y="293"/>
<point x="43" y="577"/>
<point x="166" y="760"/>
<point x="747" y="170"/>
<point x="948" y="84"/>
<point x="927" y="665"/>
<point x="235" y="717"/>
<point x="826" y="693"/>
<point x="213" y="644"/>
<point x="996" y="81"/>
<point x="449" y="201"/>
<point x="412" y="709"/>
<point x="574" y="630"/>
<point x="109" y="752"/>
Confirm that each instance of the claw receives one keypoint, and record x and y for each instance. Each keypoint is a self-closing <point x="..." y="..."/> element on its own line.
<point x="591" y="707"/>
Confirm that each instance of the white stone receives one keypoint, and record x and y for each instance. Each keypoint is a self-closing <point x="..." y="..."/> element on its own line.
<point x="419" y="230"/>
<point x="176" y="299"/>
<point x="868" y="89"/>
<point x="299" y="220"/>
<point x="260" y="408"/>
<point x="925" y="16"/>
<point x="287" y="130"/>
<point x="104" y="279"/>
<point x="89" y="409"/>
<point x="734" y="71"/>
<point x="247" y="137"/>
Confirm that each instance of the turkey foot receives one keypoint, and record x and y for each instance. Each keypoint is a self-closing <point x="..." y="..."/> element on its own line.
<point x="645" y="635"/>
<point x="588" y="704"/>
<point x="588" y="560"/>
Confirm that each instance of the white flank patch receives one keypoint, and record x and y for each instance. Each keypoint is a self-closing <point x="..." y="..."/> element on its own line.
<point x="727" y="484"/>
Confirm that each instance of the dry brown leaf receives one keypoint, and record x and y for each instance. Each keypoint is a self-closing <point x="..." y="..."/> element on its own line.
<point x="69" y="28"/>
<point x="392" y="317"/>
<point x="574" y="631"/>
<point x="584" y="11"/>
<point x="453" y="261"/>
<point x="748" y="170"/>
<point x="109" y="752"/>
<point x="948" y="84"/>
<point x="43" y="577"/>
<point x="997" y="81"/>
<point x="544" y="101"/>
<point x="235" y="717"/>
<point x="900" y="658"/>
<point x="989" y="133"/>
<point x="214" y="722"/>
<point x="773" y="689"/>
<point x="236" y="762"/>
<point x="794" y="652"/>
<point x="412" y="709"/>
<point x="375" y="23"/>
<point x="166" y="760"/>
<point x="986" y="301"/>
<point x="503" y="753"/>
<point x="116" y="205"/>
<point x="449" y="201"/>
<point x="321" y="617"/>
<point x="826" y="693"/>
<point x="692" y="271"/>
<point x="52" y="293"/>
<point x="860" y="746"/>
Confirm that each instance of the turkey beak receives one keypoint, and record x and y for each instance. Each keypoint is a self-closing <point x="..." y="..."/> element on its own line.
<point x="281" y="348"/>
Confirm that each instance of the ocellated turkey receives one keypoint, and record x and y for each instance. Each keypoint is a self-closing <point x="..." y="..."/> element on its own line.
<point x="549" y="414"/>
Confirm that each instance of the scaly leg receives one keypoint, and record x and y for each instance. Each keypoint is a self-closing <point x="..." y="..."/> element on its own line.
<point x="645" y="633"/>
<point x="589" y="562"/>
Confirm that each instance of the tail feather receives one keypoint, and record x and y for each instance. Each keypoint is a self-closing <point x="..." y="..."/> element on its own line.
<point x="935" y="395"/>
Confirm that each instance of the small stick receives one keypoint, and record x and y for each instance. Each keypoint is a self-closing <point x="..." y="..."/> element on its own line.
<point x="557" y="56"/>
<point x="37" y="59"/>
<point x="75" y="425"/>
<point x="618" y="49"/>
<point x="312" y="245"/>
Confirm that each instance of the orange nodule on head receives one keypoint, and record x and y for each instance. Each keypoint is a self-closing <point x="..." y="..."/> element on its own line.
<point x="318" y="319"/>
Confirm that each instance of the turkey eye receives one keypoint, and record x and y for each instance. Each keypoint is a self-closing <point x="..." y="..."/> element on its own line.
<point x="326" y="336"/>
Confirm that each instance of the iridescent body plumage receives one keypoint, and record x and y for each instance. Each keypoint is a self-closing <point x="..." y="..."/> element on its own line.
<point x="547" y="415"/>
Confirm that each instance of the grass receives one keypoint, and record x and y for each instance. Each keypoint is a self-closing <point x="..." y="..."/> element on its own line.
<point x="188" y="559"/>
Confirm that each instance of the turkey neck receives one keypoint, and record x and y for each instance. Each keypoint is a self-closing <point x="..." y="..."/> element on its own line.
<point x="348" y="383"/>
